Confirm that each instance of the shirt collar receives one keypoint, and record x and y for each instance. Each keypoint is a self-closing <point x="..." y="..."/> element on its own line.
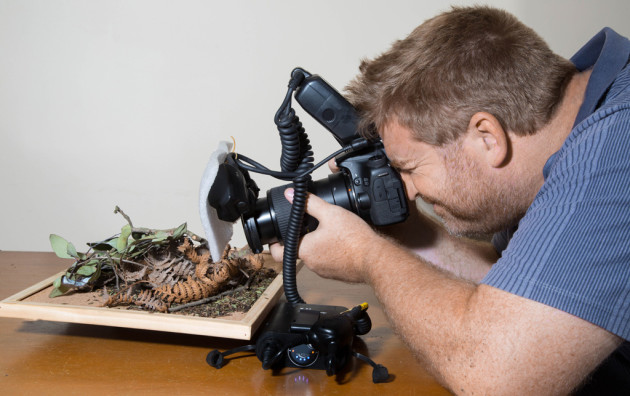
<point x="607" y="53"/>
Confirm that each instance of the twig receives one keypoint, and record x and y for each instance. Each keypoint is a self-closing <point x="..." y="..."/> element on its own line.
<point x="118" y="210"/>
<point x="249" y="281"/>
<point x="133" y="262"/>
<point x="170" y="231"/>
<point x="114" y="268"/>
<point x="208" y="299"/>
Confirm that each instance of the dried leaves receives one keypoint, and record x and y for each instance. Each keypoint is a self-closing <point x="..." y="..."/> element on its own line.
<point x="152" y="269"/>
<point x="186" y="278"/>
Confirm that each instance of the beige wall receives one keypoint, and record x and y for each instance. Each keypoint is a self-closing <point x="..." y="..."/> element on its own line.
<point x="121" y="102"/>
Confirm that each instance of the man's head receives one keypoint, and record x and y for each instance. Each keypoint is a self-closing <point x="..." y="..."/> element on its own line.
<point x="459" y="86"/>
<point x="464" y="181"/>
<point x="457" y="64"/>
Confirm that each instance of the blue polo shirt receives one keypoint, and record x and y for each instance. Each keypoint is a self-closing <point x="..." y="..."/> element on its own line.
<point x="571" y="250"/>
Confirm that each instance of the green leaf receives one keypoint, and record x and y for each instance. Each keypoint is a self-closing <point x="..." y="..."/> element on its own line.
<point x="102" y="246"/>
<point x="123" y="239"/>
<point x="59" y="246"/>
<point x="87" y="270"/>
<point x="181" y="230"/>
<point x="60" y="287"/>
<point x="95" y="275"/>
<point x="55" y="293"/>
<point x="113" y="243"/>
<point x="72" y="251"/>
<point x="146" y="237"/>
<point x="159" y="236"/>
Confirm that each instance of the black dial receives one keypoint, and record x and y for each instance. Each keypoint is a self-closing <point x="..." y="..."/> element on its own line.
<point x="303" y="355"/>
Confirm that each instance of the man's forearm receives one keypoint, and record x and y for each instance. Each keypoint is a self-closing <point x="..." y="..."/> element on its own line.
<point x="478" y="339"/>
<point x="427" y="238"/>
<point x="431" y="334"/>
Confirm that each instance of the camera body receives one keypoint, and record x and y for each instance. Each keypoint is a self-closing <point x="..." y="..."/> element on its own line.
<point x="378" y="194"/>
<point x="366" y="183"/>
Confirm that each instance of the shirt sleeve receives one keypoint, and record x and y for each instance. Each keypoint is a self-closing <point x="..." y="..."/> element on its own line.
<point x="572" y="249"/>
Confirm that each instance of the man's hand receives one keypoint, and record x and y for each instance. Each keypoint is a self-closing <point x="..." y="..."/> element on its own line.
<point x="336" y="249"/>
<point x="332" y="165"/>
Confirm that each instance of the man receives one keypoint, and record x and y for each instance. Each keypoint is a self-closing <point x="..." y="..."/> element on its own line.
<point x="501" y="136"/>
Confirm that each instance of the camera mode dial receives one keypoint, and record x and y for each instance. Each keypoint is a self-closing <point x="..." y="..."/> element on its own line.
<point x="303" y="355"/>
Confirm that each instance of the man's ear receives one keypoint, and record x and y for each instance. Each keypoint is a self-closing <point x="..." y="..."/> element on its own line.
<point x="487" y="137"/>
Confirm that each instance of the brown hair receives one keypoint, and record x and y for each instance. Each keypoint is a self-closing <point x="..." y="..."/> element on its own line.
<point x="456" y="64"/>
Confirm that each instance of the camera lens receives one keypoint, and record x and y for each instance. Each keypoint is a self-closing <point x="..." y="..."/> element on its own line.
<point x="269" y="222"/>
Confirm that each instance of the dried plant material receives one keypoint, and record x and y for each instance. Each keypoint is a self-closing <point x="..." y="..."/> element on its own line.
<point x="154" y="269"/>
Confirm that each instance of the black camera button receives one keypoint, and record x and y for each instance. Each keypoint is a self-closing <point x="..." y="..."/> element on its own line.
<point x="328" y="115"/>
<point x="380" y="193"/>
<point x="394" y="205"/>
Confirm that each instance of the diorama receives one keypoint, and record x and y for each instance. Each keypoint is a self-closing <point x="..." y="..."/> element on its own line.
<point x="152" y="279"/>
<point x="174" y="280"/>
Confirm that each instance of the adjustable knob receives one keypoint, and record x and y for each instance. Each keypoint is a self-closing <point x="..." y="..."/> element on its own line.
<point x="378" y="161"/>
<point x="363" y="201"/>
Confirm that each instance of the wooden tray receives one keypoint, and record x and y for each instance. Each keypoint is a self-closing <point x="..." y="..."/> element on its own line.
<point x="33" y="303"/>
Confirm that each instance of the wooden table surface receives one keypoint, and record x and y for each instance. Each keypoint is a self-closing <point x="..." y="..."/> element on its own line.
<point x="49" y="358"/>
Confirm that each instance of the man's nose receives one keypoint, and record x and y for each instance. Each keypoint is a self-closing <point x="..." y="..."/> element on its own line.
<point x="410" y="189"/>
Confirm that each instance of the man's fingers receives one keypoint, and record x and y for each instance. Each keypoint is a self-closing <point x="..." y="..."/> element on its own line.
<point x="314" y="205"/>
<point x="332" y="165"/>
<point x="277" y="251"/>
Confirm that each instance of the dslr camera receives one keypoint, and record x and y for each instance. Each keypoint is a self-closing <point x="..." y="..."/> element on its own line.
<point x="366" y="184"/>
<point x="298" y="334"/>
